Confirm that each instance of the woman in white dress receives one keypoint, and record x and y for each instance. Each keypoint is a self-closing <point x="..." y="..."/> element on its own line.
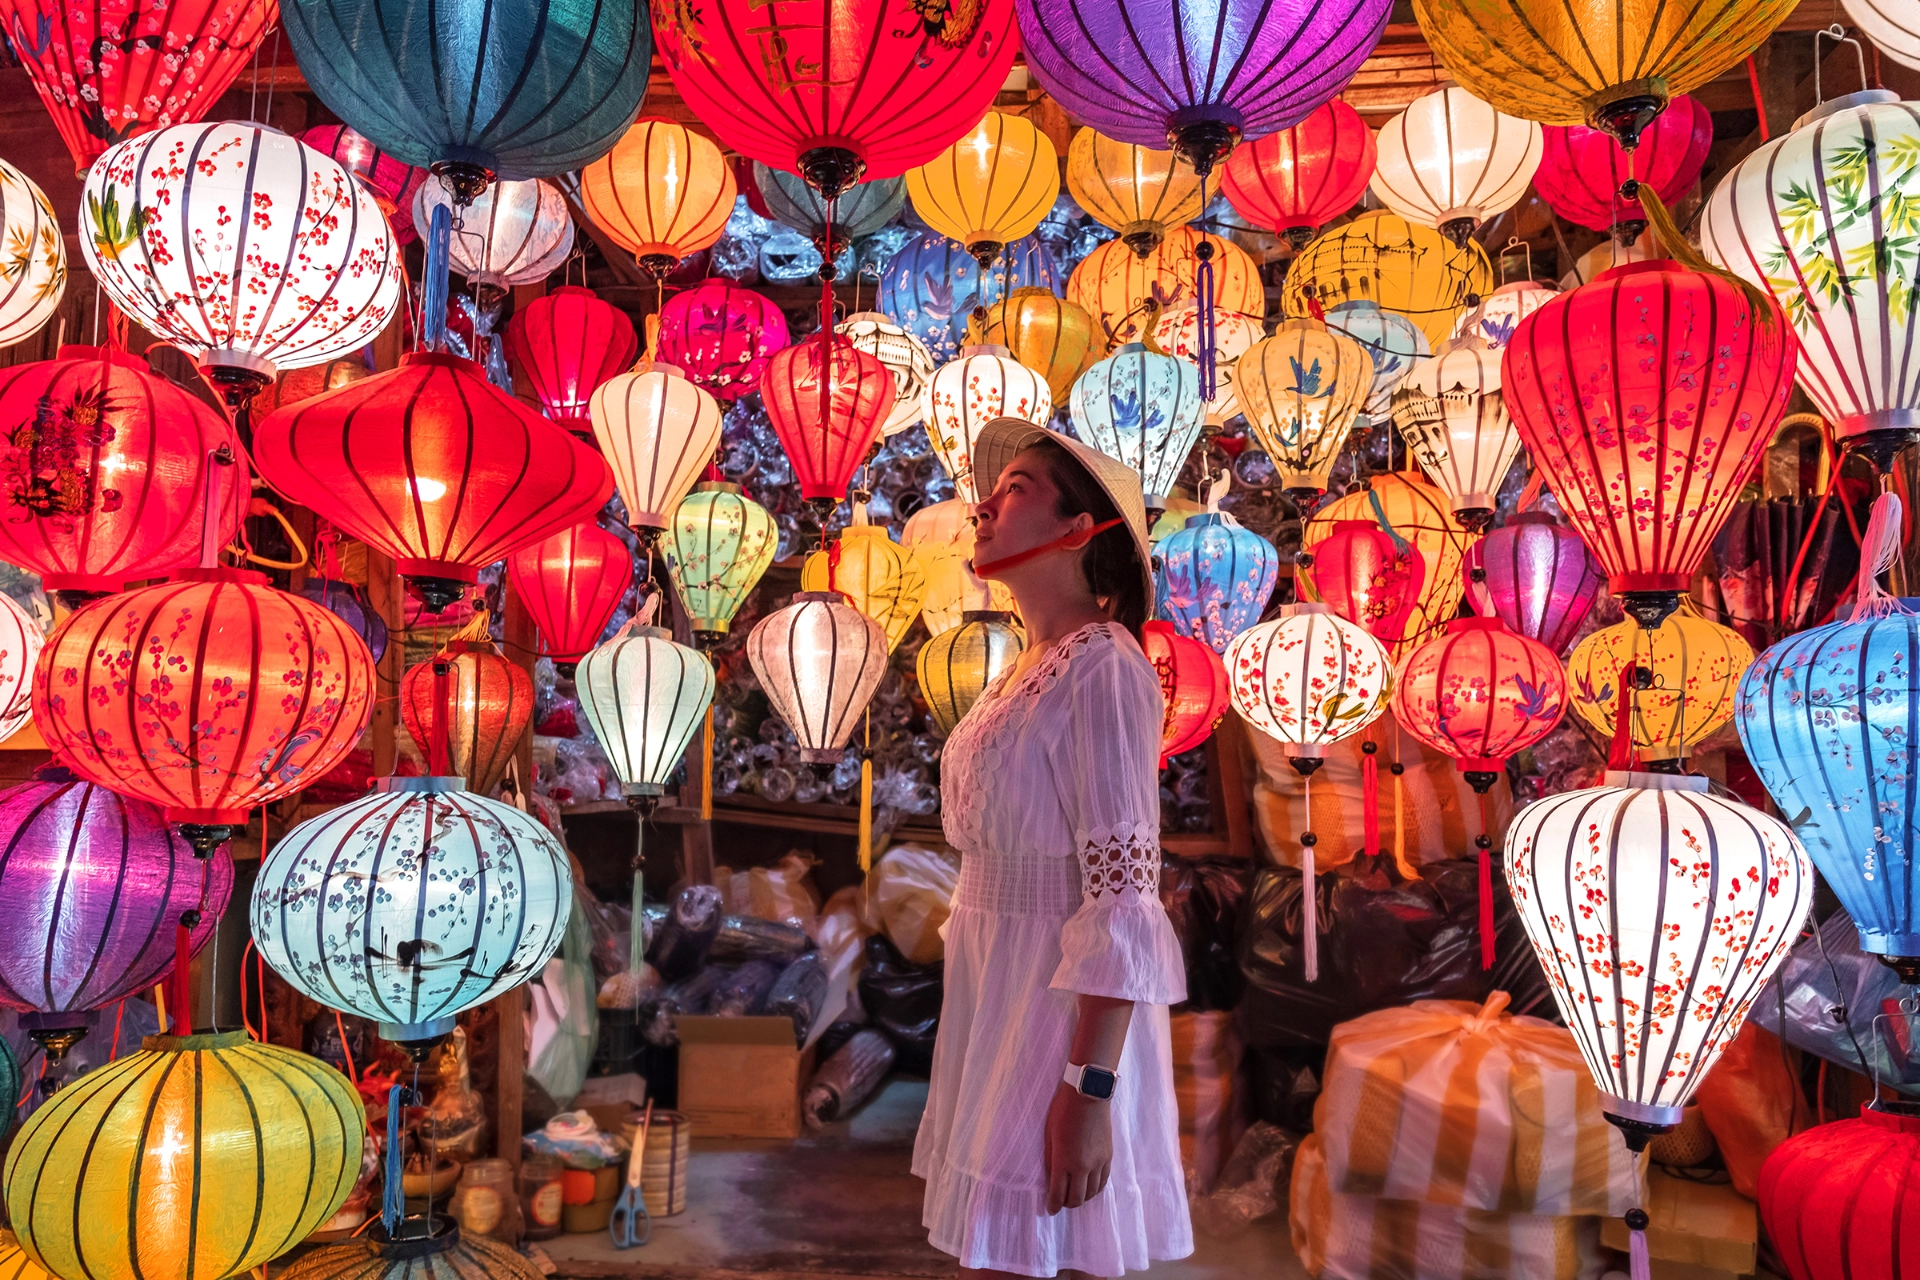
<point x="1050" y="1143"/>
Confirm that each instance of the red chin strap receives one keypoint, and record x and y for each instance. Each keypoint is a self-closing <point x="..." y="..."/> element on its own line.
<point x="1065" y="542"/>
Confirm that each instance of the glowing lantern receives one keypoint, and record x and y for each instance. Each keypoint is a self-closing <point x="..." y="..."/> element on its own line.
<point x="432" y="465"/>
<point x="1393" y="342"/>
<point x="1113" y="283"/>
<point x="993" y="185"/>
<point x="1540" y="577"/>
<point x="1193" y="683"/>
<point x="1308" y="678"/>
<point x="1839" y="1200"/>
<point x="487" y="702"/>
<point x="662" y="193"/>
<point x="1496" y="316"/>
<point x="877" y="576"/>
<point x="1401" y="266"/>
<point x="1178" y="334"/>
<point x="568" y="342"/>
<point x="200" y="721"/>
<point x="513" y="233"/>
<point x="35" y="275"/>
<point x="421" y="1249"/>
<point x="1689" y="671"/>
<point x="859" y="211"/>
<point x="1454" y="420"/>
<point x="1298" y="179"/>
<point x="1301" y="390"/>
<point x="644" y="697"/>
<point x="1143" y="408"/>
<point x="721" y="542"/>
<point x="966" y="394"/>
<point x="571" y="582"/>
<point x="1480" y="694"/>
<point x="1450" y="161"/>
<point x="160" y="1164"/>
<point x="350" y="604"/>
<point x="1894" y="32"/>
<point x="14" y="1263"/>
<point x="722" y="335"/>
<point x="1137" y="191"/>
<point x="20" y="643"/>
<point x="1646" y="399"/>
<point x="819" y="661"/>
<point x="905" y="357"/>
<point x="658" y="431"/>
<point x="1216" y="577"/>
<point x="932" y="288"/>
<point x="1047" y="334"/>
<point x="317" y="266"/>
<point x="392" y="180"/>
<point x="957" y="664"/>
<point x="1581" y="169"/>
<point x="1370" y="577"/>
<point x="940" y="537"/>
<point x="826" y="430"/>
<point x="1417" y="512"/>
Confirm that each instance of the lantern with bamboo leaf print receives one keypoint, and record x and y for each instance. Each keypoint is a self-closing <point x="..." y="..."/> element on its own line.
<point x="719" y="545"/>
<point x="1679" y="682"/>
<point x="568" y="342"/>
<point x="1647" y="398"/>
<point x="1496" y="316"/>
<point x="966" y="394"/>
<point x="392" y="180"/>
<point x="657" y="431"/>
<point x="880" y="578"/>
<point x="1193" y="683"/>
<point x="510" y="234"/>
<point x="1126" y="292"/>
<point x="1215" y="575"/>
<point x="1455" y="422"/>
<point x="1539" y="577"/>
<point x="1399" y="265"/>
<point x="644" y="697"/>
<point x="1301" y="390"/>
<point x="827" y="400"/>
<point x="200" y="1156"/>
<point x="1393" y="342"/>
<point x="958" y="664"/>
<point x="1451" y="161"/>
<point x="1183" y="332"/>
<point x="857" y="212"/>
<point x="1046" y="333"/>
<point x="722" y="335"/>
<point x="1294" y="181"/>
<point x="34" y="278"/>
<point x="819" y="660"/>
<point x="474" y="698"/>
<point x="1137" y="191"/>
<point x="1582" y="169"/>
<point x="992" y="185"/>
<point x="905" y="356"/>
<point x="1406" y="507"/>
<point x="570" y="583"/>
<point x="940" y="538"/>
<point x="20" y="644"/>
<point x="662" y="193"/>
<point x="1142" y="407"/>
<point x="1368" y="576"/>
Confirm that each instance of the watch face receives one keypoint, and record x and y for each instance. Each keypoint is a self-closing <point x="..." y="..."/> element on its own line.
<point x="1097" y="1082"/>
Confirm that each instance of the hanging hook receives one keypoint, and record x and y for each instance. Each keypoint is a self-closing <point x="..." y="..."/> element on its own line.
<point x="1837" y="34"/>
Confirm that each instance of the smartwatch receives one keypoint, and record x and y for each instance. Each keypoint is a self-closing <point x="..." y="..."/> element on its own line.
<point x="1092" y="1082"/>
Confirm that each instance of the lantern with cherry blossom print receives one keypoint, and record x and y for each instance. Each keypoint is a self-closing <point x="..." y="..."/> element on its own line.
<point x="1368" y="576"/>
<point x="720" y="545"/>
<point x="513" y="233"/>
<point x="662" y="193"/>
<point x="1582" y="168"/>
<point x="1193" y="682"/>
<point x="570" y="583"/>
<point x="568" y="342"/>
<point x="20" y="643"/>
<point x="1142" y="407"/>
<point x="1121" y="289"/>
<point x="472" y="701"/>
<point x="1215" y="577"/>
<point x="1178" y="334"/>
<point x="722" y="335"/>
<point x="1539" y="575"/>
<point x="819" y="660"/>
<point x="966" y="394"/>
<point x="826" y="399"/>
<point x="657" y="431"/>
<point x="392" y="180"/>
<point x="1297" y="179"/>
<point x="905" y="356"/>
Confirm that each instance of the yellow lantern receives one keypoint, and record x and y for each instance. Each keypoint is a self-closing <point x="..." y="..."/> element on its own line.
<point x="880" y="578"/>
<point x="1301" y="389"/>
<point x="991" y="187"/>
<point x="1125" y="292"/>
<point x="941" y="539"/>
<point x="1136" y="191"/>
<point x="720" y="545"/>
<point x="14" y="1262"/>
<point x="956" y="666"/>
<point x="985" y="383"/>
<point x="1048" y="334"/>
<point x="662" y="193"/>
<point x="1695" y="668"/>
<point x="1398" y="265"/>
<point x="1419" y="513"/>
<point x="657" y="431"/>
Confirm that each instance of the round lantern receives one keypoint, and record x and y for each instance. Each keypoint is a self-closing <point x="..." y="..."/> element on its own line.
<point x="570" y="583"/>
<point x="513" y="233"/>
<point x="1450" y="161"/>
<point x="657" y="431"/>
<point x="1494" y="319"/>
<point x="1196" y="77"/>
<point x="1193" y="683"/>
<point x="317" y="264"/>
<point x="1134" y="190"/>
<point x="1370" y="577"/>
<point x="722" y="335"/>
<point x="1301" y="390"/>
<point x="414" y="1252"/>
<point x="1294" y="181"/>
<point x="1143" y="408"/>
<point x="1843" y="1199"/>
<point x="349" y="603"/>
<point x="906" y="358"/>
<point x="1581" y="168"/>
<point x="1046" y="333"/>
<point x="1689" y="671"/>
<point x="1393" y="342"/>
<point x="819" y="661"/>
<point x="644" y="698"/>
<point x="1419" y="513"/>
<point x="958" y="664"/>
<point x="1540" y="577"/>
<point x="1894" y="32"/>
<point x="1308" y="678"/>
<point x="994" y="184"/>
<point x="1455" y="422"/>
<point x="20" y="644"/>
<point x="494" y="89"/>
<point x="859" y="211"/>
<point x="1216" y="577"/>
<point x="1116" y="285"/>
<point x="662" y="193"/>
<point x="888" y="94"/>
<point x="473" y="898"/>
<point x="827" y="430"/>
<point x="14" y="1263"/>
<point x="487" y="701"/>
<point x="197" y="1157"/>
<point x="1646" y="399"/>
<point x="568" y="342"/>
<point x="932" y="287"/>
<point x="880" y="578"/>
<point x="721" y="542"/>
<point x="34" y="278"/>
<point x="940" y="536"/>
<point x="1480" y="694"/>
<point x="1402" y="266"/>
<point x="966" y="394"/>
<point x="233" y="696"/>
<point x="1178" y="334"/>
<point x="392" y="180"/>
<point x="434" y="466"/>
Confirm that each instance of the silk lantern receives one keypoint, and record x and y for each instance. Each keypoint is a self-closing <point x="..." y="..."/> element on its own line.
<point x="348" y="601"/>
<point x="1539" y="576"/>
<point x="20" y="644"/>
<point x="932" y="288"/>
<point x="992" y="185"/>
<point x="722" y="336"/>
<point x="644" y="697"/>
<point x="1689" y="669"/>
<point x="940" y="536"/>
<point x="1143" y="408"/>
<point x="392" y="180"/>
<point x="568" y="342"/>
<point x="432" y="465"/>
<point x="1454" y="419"/>
<point x="827" y="400"/>
<point x="958" y="664"/>
<point x="657" y="431"/>
<point x="1309" y="678"/>
<point x="1296" y="180"/>
<point x="1372" y="578"/>
<point x="1216" y="577"/>
<point x="662" y="193"/>
<point x="1892" y="30"/>
<point x="1496" y="316"/>
<point x="857" y="212"/>
<point x="906" y="358"/>
<point x="1136" y="191"/>
<point x="14" y="1263"/>
<point x="880" y="578"/>
<point x="1114" y="284"/>
<point x="478" y="700"/>
<point x="512" y="233"/>
<point x="421" y="1249"/>
<point x="483" y="911"/>
<point x="570" y="583"/>
<point x="1179" y="332"/>
<point x="198" y="1157"/>
<point x="1842" y="1199"/>
<point x="1301" y="390"/>
<point x="33" y="276"/>
<point x="209" y="695"/>
<point x="1646" y="399"/>
<point x="313" y="274"/>
<point x="1393" y="342"/>
<point x="966" y="394"/>
<point x="1401" y="266"/>
<point x="1416" y="511"/>
<point x="720" y="544"/>
<point x="819" y="661"/>
<point x="1046" y="333"/>
<point x="1193" y="684"/>
<point x="1480" y="694"/>
<point x="1582" y="169"/>
<point x="1450" y="161"/>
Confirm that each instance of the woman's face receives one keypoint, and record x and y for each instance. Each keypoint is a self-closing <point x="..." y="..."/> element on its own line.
<point x="1021" y="513"/>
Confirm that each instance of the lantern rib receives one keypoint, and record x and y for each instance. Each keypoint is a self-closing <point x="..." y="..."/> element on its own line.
<point x="1594" y="1049"/>
<point x="77" y="1238"/>
<point x="297" y="1064"/>
<point x="352" y="821"/>
<point x="259" y="1160"/>
<point x="55" y="911"/>
<point x="1875" y="801"/>
<point x="138" y="1167"/>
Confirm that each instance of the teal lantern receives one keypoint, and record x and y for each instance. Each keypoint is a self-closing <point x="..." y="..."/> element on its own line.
<point x="1144" y="408"/>
<point x="1395" y="343"/>
<point x="1215" y="577"/>
<point x="932" y="286"/>
<point x="862" y="209"/>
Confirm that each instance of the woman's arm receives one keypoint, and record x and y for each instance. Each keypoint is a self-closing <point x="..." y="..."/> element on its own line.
<point x="1079" y="1137"/>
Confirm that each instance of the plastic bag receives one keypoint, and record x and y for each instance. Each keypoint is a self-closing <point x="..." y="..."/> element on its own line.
<point x="903" y="1000"/>
<point x="1252" y="1183"/>
<point x="909" y="895"/>
<point x="1831" y="992"/>
<point x="1203" y="898"/>
<point x="746" y="991"/>
<point x="691" y="995"/>
<point x="744" y="938"/>
<point x="847" y="1078"/>
<point x="1752" y="1103"/>
<point x="680" y="945"/>
<point x="779" y="892"/>
<point x="1206" y="1062"/>
<point x="799" y="994"/>
<point x="565" y="1022"/>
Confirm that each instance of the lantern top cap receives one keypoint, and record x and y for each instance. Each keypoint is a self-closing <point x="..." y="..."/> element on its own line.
<point x="419" y="786"/>
<point x="1875" y="1114"/>
<point x="1656" y="781"/>
<point x="221" y="573"/>
<point x="1532" y="517"/>
<point x="643" y="366"/>
<point x="572" y="291"/>
<point x="818" y="597"/>
<point x="443" y="360"/>
<point x="1626" y="269"/>
<point x="643" y="631"/>
<point x="1479" y="622"/>
<point x="107" y="355"/>
<point x="195" y="1043"/>
<point x="1846" y="101"/>
<point x="986" y="349"/>
<point x="1306" y="608"/>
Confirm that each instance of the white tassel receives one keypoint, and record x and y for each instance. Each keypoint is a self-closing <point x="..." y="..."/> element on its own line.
<point x="1639" y="1267"/>
<point x="1309" y="916"/>
<point x="1879" y="547"/>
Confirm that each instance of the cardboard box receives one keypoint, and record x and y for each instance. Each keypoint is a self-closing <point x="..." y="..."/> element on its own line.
<point x="1693" y="1229"/>
<point x="611" y="1099"/>
<point x="741" y="1077"/>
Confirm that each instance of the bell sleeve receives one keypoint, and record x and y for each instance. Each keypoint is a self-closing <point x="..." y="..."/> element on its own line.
<point x="1105" y="767"/>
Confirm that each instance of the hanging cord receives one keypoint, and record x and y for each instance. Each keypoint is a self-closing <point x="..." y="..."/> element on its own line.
<point x="1483" y="845"/>
<point x="1620" y="754"/>
<point x="1206" y="353"/>
<point x="273" y="75"/>
<point x="1309" y="892"/>
<point x="1759" y="102"/>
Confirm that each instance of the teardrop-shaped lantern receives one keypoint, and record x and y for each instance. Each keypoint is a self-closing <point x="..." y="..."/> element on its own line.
<point x="966" y="394"/>
<point x="940" y="536"/>
<point x="1048" y="334"/>
<point x="1540" y="576"/>
<point x="1137" y="191"/>
<point x="1417" y="512"/>
<point x="721" y="544"/>
<point x="1178" y="333"/>
<point x="1693" y="669"/>
<point x="827" y="400"/>
<point x="35" y="278"/>
<point x="722" y="335"/>
<point x="1301" y="390"/>
<point x="1401" y="266"/>
<point x="819" y="660"/>
<point x="956" y="665"/>
<point x="991" y="186"/>
<point x="486" y="699"/>
<point x="644" y="697"/>
<point x="877" y="576"/>
<point x="1114" y="284"/>
<point x="906" y="358"/>
<point x="510" y="234"/>
<point x="1216" y="576"/>
<point x="1480" y="694"/>
<point x="1455" y="422"/>
<point x="662" y="193"/>
<point x="1193" y="684"/>
<point x="1369" y="577"/>
<point x="1582" y="169"/>
<point x="1298" y="179"/>
<point x="932" y="287"/>
<point x="20" y="644"/>
<point x="1143" y="408"/>
<point x="859" y="211"/>
<point x="570" y="583"/>
<point x="1450" y="161"/>
<point x="1393" y="342"/>
<point x="1309" y="678"/>
<point x="568" y="342"/>
<point x="657" y="431"/>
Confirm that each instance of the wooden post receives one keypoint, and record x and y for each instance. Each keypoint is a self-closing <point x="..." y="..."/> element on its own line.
<point x="510" y="1084"/>
<point x="384" y="594"/>
<point x="1230" y="739"/>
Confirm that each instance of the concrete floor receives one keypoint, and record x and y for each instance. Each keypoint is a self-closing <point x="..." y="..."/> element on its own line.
<point x="842" y="1203"/>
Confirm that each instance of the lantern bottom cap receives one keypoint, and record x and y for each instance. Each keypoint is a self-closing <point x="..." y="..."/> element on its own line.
<point x="1648" y="1114"/>
<point x="234" y="358"/>
<point x="822" y="755"/>
<point x="415" y="1032"/>
<point x="100" y="583"/>
<point x="1659" y="782"/>
<point x="1897" y="946"/>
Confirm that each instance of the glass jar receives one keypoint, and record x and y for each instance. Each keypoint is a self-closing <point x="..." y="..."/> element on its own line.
<point x="485" y="1203"/>
<point x="542" y="1197"/>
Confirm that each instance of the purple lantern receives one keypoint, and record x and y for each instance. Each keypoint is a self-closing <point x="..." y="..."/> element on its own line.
<point x="94" y="884"/>
<point x="350" y="605"/>
<point x="1198" y="75"/>
<point x="1540" y="575"/>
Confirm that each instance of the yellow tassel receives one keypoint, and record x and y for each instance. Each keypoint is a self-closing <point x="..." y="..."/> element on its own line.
<point x="1675" y="246"/>
<point x="866" y="816"/>
<point x="653" y="336"/>
<point x="160" y="1007"/>
<point x="706" y="774"/>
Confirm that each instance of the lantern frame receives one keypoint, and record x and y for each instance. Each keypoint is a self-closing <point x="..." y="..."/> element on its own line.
<point x="616" y="708"/>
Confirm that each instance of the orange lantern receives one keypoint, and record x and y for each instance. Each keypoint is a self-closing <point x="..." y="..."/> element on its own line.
<point x="662" y="193"/>
<point x="470" y="702"/>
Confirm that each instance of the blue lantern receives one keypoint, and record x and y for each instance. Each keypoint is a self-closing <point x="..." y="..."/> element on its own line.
<point x="1143" y="408"/>
<point x="1215" y="577"/>
<point x="932" y="286"/>
<point x="350" y="604"/>
<point x="1395" y="343"/>
<point x="863" y="208"/>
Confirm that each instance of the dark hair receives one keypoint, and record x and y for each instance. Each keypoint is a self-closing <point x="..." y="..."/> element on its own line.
<point x="1111" y="562"/>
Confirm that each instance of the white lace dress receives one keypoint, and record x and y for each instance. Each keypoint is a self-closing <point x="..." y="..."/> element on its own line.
<point x="1049" y="790"/>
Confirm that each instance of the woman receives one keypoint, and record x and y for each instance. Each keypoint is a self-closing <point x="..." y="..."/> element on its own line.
<point x="1050" y="1142"/>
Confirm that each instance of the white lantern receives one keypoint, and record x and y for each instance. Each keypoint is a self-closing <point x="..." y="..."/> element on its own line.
<point x="657" y="431"/>
<point x="1501" y="312"/>
<point x="941" y="539"/>
<point x="985" y="383"/>
<point x="1178" y="334"/>
<point x="1301" y="390"/>
<point x="20" y="644"/>
<point x="1892" y="25"/>
<point x="1309" y="678"/>
<point x="1455" y="422"/>
<point x="1392" y="342"/>
<point x="644" y="697"/>
<point x="906" y="358"/>
<point x="33" y="257"/>
<point x="819" y="660"/>
<point x="245" y="248"/>
<point x="514" y="232"/>
<point x="1450" y="161"/>
<point x="1141" y="408"/>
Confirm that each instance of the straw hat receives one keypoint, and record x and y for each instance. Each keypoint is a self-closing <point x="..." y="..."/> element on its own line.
<point x="1002" y="438"/>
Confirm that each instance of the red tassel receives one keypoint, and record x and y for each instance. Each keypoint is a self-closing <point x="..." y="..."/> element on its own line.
<point x="440" y="750"/>
<point x="1620" y="751"/>
<point x="182" y="980"/>
<point x="1370" y="798"/>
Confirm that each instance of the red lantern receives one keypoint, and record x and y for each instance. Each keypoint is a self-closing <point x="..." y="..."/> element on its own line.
<point x="1298" y="179"/>
<point x="208" y="695"/>
<point x="826" y="431"/>
<point x="721" y="335"/>
<point x="1842" y="1201"/>
<point x="434" y="466"/>
<point x="392" y="181"/>
<point x="1193" y="681"/>
<point x="569" y="342"/>
<point x="1581" y="169"/>
<point x="487" y="703"/>
<point x="1481" y="694"/>
<point x="104" y="469"/>
<point x="1369" y="577"/>
<point x="110" y="69"/>
<point x="1647" y="398"/>
<point x="571" y="582"/>
<point x="834" y="90"/>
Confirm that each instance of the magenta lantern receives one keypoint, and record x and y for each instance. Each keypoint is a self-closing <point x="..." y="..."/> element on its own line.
<point x="1540" y="577"/>
<point x="1581" y="169"/>
<point x="721" y="336"/>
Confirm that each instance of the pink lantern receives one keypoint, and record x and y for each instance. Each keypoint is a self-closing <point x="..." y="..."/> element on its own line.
<point x="1581" y="169"/>
<point x="1539" y="576"/>
<point x="392" y="180"/>
<point x="721" y="336"/>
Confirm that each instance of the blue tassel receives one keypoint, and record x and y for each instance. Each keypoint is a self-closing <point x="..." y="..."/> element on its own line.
<point x="393" y="1202"/>
<point x="433" y="292"/>
<point x="1386" y="525"/>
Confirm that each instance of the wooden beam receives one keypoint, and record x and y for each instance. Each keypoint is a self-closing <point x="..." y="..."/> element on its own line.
<point x="510" y="1081"/>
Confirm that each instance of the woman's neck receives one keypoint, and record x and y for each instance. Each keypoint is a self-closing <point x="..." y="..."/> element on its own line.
<point x="1051" y="616"/>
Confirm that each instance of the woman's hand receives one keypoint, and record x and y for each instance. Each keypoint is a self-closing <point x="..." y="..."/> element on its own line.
<point x="1079" y="1148"/>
